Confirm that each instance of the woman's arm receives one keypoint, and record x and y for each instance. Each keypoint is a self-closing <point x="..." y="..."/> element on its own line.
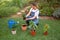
<point x="35" y="16"/>
<point x="29" y="13"/>
<point x="31" y="18"/>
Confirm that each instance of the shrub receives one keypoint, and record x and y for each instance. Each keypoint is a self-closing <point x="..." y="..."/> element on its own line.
<point x="57" y="13"/>
<point x="47" y="11"/>
<point x="7" y="8"/>
<point x="21" y="3"/>
<point x="7" y="11"/>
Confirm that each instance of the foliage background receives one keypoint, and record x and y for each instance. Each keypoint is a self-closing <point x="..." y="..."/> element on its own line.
<point x="9" y="7"/>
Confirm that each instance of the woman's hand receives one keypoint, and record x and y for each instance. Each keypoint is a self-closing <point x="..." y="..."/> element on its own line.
<point x="30" y="18"/>
<point x="27" y="19"/>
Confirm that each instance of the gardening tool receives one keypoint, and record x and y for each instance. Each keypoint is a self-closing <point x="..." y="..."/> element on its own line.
<point x="11" y="22"/>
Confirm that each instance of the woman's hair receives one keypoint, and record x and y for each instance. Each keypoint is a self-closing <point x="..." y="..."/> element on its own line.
<point x="34" y="4"/>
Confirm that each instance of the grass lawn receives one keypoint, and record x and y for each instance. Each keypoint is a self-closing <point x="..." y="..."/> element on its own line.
<point x="54" y="31"/>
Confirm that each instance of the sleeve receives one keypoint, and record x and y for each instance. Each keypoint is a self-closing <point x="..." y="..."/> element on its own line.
<point x="37" y="13"/>
<point x="30" y="10"/>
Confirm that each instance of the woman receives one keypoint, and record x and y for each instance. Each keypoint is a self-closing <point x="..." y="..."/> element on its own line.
<point x="33" y="14"/>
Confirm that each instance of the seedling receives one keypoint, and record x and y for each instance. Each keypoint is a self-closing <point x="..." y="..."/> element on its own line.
<point x="46" y="27"/>
<point x="33" y="28"/>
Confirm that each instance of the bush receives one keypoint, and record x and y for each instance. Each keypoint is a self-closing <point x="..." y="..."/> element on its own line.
<point x="57" y="13"/>
<point x="47" y="11"/>
<point x="21" y="3"/>
<point x="7" y="11"/>
<point x="7" y="8"/>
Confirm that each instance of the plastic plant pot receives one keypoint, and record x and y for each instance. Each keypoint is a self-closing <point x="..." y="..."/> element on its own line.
<point x="24" y="27"/>
<point x="24" y="18"/>
<point x="13" y="32"/>
<point x="33" y="32"/>
<point x="46" y="33"/>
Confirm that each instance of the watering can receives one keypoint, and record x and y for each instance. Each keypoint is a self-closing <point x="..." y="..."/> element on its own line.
<point x="11" y="23"/>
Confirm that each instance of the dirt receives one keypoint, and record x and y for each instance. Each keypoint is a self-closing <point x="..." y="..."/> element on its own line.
<point x="46" y="17"/>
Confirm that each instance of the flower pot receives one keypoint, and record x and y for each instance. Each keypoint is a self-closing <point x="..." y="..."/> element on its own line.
<point x="13" y="32"/>
<point x="24" y="27"/>
<point x="33" y="32"/>
<point x="24" y="18"/>
<point x="46" y="33"/>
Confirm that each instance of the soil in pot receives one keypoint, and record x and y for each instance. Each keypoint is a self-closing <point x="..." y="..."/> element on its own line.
<point x="33" y="32"/>
<point x="46" y="33"/>
<point x="24" y="27"/>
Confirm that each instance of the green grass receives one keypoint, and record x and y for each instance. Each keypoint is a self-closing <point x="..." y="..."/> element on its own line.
<point x="54" y="30"/>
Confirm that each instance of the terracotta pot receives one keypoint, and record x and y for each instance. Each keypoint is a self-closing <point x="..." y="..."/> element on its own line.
<point x="24" y="18"/>
<point x="13" y="32"/>
<point x="33" y="32"/>
<point x="46" y="33"/>
<point x="24" y="27"/>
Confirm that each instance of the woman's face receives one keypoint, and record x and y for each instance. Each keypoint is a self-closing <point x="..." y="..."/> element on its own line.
<point x="34" y="7"/>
